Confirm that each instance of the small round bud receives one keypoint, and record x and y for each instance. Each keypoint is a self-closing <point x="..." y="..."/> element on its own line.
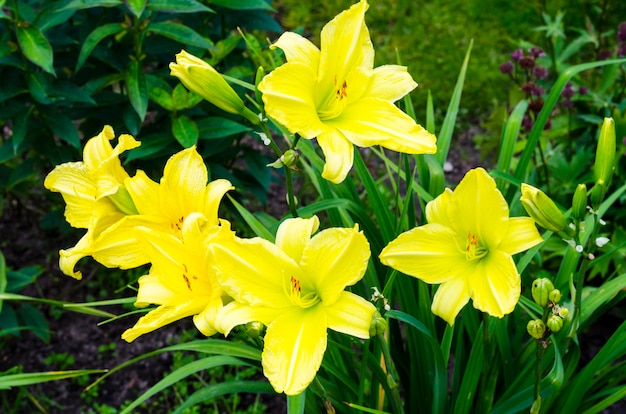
<point x="290" y="158"/>
<point x="579" y="203"/>
<point x="536" y="328"/>
<point x="555" y="296"/>
<point x="378" y="325"/>
<point x="254" y="329"/>
<point x="541" y="291"/>
<point x="563" y="312"/>
<point x="507" y="67"/>
<point x="555" y="323"/>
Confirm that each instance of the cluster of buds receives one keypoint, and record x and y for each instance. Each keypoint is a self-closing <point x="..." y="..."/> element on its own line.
<point x="621" y="44"/>
<point x="545" y="295"/>
<point x="569" y="92"/>
<point x="377" y="296"/>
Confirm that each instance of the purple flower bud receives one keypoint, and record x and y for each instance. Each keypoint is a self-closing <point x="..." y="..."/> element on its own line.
<point x="605" y="54"/>
<point x="540" y="72"/>
<point x="517" y="54"/>
<point x="507" y="67"/>
<point x="583" y="90"/>
<point x="535" y="105"/>
<point x="567" y="103"/>
<point x="529" y="88"/>
<point x="527" y="62"/>
<point x="568" y="91"/>
<point x="539" y="91"/>
<point x="537" y="52"/>
<point x="621" y="32"/>
<point x="621" y="52"/>
<point x="527" y="123"/>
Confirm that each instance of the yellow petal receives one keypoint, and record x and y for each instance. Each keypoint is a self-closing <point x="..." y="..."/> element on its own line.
<point x="450" y="298"/>
<point x="254" y="271"/>
<point x="235" y="313"/>
<point x="294" y="347"/>
<point x="205" y="320"/>
<point x="214" y="193"/>
<point x="289" y="96"/>
<point x="294" y="234"/>
<point x="183" y="184"/>
<point x="145" y="194"/>
<point x="390" y="83"/>
<point x="152" y="291"/>
<point x="478" y="207"/>
<point x="351" y="314"/>
<point x="333" y="259"/>
<point x="339" y="154"/>
<point x="437" y="209"/>
<point x="522" y="235"/>
<point x="495" y="284"/>
<point x="373" y="121"/>
<point x="345" y="44"/>
<point x="428" y="252"/>
<point x="298" y="49"/>
<point x="161" y="316"/>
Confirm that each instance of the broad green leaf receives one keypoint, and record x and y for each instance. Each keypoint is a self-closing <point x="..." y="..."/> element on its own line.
<point x="39" y="87"/>
<point x="20" y="127"/>
<point x="137" y="89"/>
<point x="179" y="33"/>
<point x="243" y="4"/>
<point x="184" y="372"/>
<point x="136" y="6"/>
<point x="70" y="92"/>
<point x="180" y="96"/>
<point x="177" y="6"/>
<point x="87" y="4"/>
<point x="19" y="279"/>
<point x="3" y="277"/>
<point x="33" y="319"/>
<point x="185" y="130"/>
<point x="53" y="14"/>
<point x="599" y="296"/>
<point x="95" y="37"/>
<point x="217" y="127"/>
<point x="35" y="46"/>
<point x="162" y="97"/>
<point x="19" y="380"/>
<point x="63" y="127"/>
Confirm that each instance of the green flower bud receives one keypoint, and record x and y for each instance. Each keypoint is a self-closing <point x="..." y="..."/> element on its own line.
<point x="290" y="158"/>
<point x="555" y="323"/>
<point x="255" y="329"/>
<point x="605" y="152"/>
<point x="123" y="201"/>
<point x="260" y="74"/>
<point x="542" y="209"/>
<point x="201" y="78"/>
<point x="597" y="193"/>
<point x="536" y="328"/>
<point x="563" y="312"/>
<point x="541" y="291"/>
<point x="554" y="295"/>
<point x="579" y="203"/>
<point x="378" y="325"/>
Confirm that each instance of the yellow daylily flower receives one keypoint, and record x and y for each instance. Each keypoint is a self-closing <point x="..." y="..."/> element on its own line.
<point x="467" y="247"/>
<point x="94" y="191"/>
<point x="336" y="94"/>
<point x="180" y="280"/>
<point x="296" y="288"/>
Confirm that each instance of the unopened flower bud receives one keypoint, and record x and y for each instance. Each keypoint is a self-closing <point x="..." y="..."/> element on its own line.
<point x="555" y="296"/>
<point x="563" y="312"/>
<point x="598" y="191"/>
<point x="378" y="325"/>
<point x="201" y="78"/>
<point x="290" y="158"/>
<point x="579" y="203"/>
<point x="542" y="209"/>
<point x="536" y="328"/>
<point x="254" y="329"/>
<point x="555" y="323"/>
<point x="541" y="291"/>
<point x="605" y="152"/>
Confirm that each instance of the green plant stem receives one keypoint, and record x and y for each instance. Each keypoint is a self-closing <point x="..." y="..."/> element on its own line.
<point x="541" y="350"/>
<point x="392" y="375"/>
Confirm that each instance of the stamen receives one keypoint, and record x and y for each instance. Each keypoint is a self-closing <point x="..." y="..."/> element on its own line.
<point x="473" y="248"/>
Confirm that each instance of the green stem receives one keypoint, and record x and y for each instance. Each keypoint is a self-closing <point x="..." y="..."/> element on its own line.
<point x="392" y="374"/>
<point x="541" y="349"/>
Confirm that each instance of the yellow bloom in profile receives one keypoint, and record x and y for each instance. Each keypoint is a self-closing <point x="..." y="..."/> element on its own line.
<point x="93" y="190"/>
<point x="467" y="247"/>
<point x="181" y="279"/>
<point x="296" y="288"/>
<point x="336" y="94"/>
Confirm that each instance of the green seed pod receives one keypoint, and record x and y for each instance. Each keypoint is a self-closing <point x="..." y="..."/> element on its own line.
<point x="536" y="328"/>
<point x="541" y="291"/>
<point x="605" y="152"/>
<point x="555" y="296"/>
<point x="542" y="209"/>
<point x="579" y="203"/>
<point x="555" y="323"/>
<point x="378" y="325"/>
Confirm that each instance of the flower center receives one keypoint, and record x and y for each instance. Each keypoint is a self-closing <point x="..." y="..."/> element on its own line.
<point x="188" y="277"/>
<point x="298" y="297"/>
<point x="334" y="102"/>
<point x="178" y="224"/>
<point x="474" y="248"/>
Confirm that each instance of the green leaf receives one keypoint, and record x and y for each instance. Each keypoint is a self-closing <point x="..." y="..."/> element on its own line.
<point x="19" y="380"/>
<point x="162" y="97"/>
<point x="180" y="97"/>
<point x="63" y="127"/>
<point x="39" y="87"/>
<point x="183" y="372"/>
<point x="218" y="127"/>
<point x="509" y="138"/>
<point x="35" y="46"/>
<point x="137" y="89"/>
<point x="185" y="130"/>
<point x="224" y="388"/>
<point x="20" y="127"/>
<point x="19" y="279"/>
<point x="52" y="15"/>
<point x="256" y="226"/>
<point x="95" y="37"/>
<point x="180" y="33"/>
<point x="3" y="277"/>
<point x="136" y="6"/>
<point x="88" y="4"/>
<point x="243" y="4"/>
<point x="34" y="320"/>
<point x="177" y="6"/>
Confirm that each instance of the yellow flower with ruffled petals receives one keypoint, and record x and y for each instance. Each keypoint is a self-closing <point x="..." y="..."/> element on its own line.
<point x="296" y="288"/>
<point x="467" y="247"/>
<point x="336" y="94"/>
